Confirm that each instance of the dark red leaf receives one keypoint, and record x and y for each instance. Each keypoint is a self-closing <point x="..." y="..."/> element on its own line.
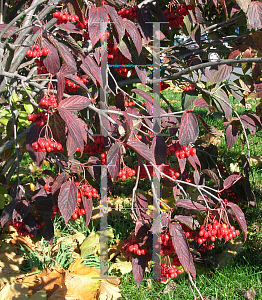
<point x="78" y="10"/>
<point x="97" y="23"/>
<point x="223" y="3"/>
<point x="61" y="178"/>
<point x="254" y="14"/>
<point x="189" y="130"/>
<point x="75" y="102"/>
<point x="145" y="21"/>
<point x="222" y="102"/>
<point x="182" y="164"/>
<point x="210" y="129"/>
<point x="189" y="204"/>
<point x="77" y="130"/>
<point x="223" y="72"/>
<point x="67" y="199"/>
<point x="66" y="55"/>
<point x="208" y="200"/>
<point x="21" y="210"/>
<point x="189" y="221"/>
<point x="160" y="222"/>
<point x="90" y="67"/>
<point x="88" y="205"/>
<point x="9" y="31"/>
<point x="68" y="28"/>
<point x="31" y="137"/>
<point x="231" y="135"/>
<point x="239" y="216"/>
<point x="158" y="148"/>
<point x="51" y="61"/>
<point x="196" y="177"/>
<point x="142" y="74"/>
<point x="180" y="244"/>
<point x="47" y="231"/>
<point x="213" y="176"/>
<point x="141" y="207"/>
<point x="200" y="102"/>
<point x="124" y="50"/>
<point x="30" y="224"/>
<point x="230" y="180"/>
<point x="114" y="160"/>
<point x="249" y="123"/>
<point x="138" y="267"/>
<point x="143" y="150"/>
<point x="8" y="212"/>
<point x="144" y="95"/>
<point x="60" y="85"/>
<point x="117" y="21"/>
<point x="134" y="34"/>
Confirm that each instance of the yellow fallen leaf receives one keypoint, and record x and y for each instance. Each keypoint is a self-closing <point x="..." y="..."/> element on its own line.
<point x="109" y="289"/>
<point x="121" y="265"/>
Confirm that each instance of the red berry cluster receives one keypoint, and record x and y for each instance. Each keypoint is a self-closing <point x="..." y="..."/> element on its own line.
<point x="35" y="51"/>
<point x="48" y="186"/>
<point x="55" y="211"/>
<point x="216" y="230"/>
<point x="21" y="228"/>
<point x="166" y="246"/>
<point x="71" y="86"/>
<point x="171" y="172"/>
<point x="96" y="147"/>
<point x="129" y="12"/>
<point x="47" y="145"/>
<point x="189" y="88"/>
<point x="64" y="17"/>
<point x="87" y="190"/>
<point x="143" y="173"/>
<point x="125" y="173"/>
<point x="129" y="104"/>
<point x="38" y="118"/>
<point x="41" y="69"/>
<point x="103" y="158"/>
<point x="46" y="101"/>
<point x="181" y="151"/>
<point x="169" y="272"/>
<point x="131" y="246"/>
<point x="175" y="17"/>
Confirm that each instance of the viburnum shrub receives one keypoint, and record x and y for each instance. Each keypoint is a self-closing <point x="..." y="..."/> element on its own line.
<point x="68" y="95"/>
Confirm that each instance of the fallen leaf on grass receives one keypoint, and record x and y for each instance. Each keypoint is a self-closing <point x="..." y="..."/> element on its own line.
<point x="49" y="280"/>
<point x="170" y="287"/>
<point x="13" y="291"/>
<point x="250" y="294"/>
<point x="73" y="241"/>
<point x="121" y="265"/>
<point x="84" y="283"/>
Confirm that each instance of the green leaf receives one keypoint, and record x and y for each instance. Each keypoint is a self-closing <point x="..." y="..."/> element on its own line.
<point x="14" y="98"/>
<point x="29" y="108"/>
<point x="188" y="98"/>
<point x="23" y="119"/>
<point x="90" y="244"/>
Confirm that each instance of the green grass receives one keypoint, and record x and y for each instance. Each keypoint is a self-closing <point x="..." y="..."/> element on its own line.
<point x="230" y="282"/>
